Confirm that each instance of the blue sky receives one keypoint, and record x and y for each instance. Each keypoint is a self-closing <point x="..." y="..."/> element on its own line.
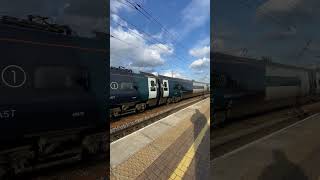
<point x="285" y="30"/>
<point x="180" y="49"/>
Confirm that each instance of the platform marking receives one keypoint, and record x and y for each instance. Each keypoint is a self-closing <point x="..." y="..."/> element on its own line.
<point x="261" y="139"/>
<point x="187" y="159"/>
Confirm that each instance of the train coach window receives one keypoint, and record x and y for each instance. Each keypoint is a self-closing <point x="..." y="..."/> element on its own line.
<point x="126" y="86"/>
<point x="153" y="86"/>
<point x="165" y="86"/>
<point x="198" y="87"/>
<point x="61" y="78"/>
<point x="282" y="81"/>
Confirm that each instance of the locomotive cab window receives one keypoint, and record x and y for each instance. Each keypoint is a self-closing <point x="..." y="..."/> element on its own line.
<point x="61" y="78"/>
<point x="165" y="86"/>
<point x="153" y="86"/>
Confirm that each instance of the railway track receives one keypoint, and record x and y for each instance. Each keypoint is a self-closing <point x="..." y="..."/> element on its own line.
<point x="129" y="124"/>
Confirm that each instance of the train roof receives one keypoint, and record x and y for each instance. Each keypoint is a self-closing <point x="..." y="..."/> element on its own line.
<point x="36" y="23"/>
<point x="222" y="57"/>
<point x="123" y="71"/>
<point x="174" y="78"/>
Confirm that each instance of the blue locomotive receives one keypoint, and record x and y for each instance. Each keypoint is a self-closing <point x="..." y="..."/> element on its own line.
<point x="52" y="106"/>
<point x="134" y="92"/>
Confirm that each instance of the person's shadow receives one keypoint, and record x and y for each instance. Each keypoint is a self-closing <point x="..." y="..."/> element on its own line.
<point x="202" y="167"/>
<point x="282" y="169"/>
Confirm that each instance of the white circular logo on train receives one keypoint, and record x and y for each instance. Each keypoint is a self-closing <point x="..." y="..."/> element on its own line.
<point x="114" y="85"/>
<point x="13" y="76"/>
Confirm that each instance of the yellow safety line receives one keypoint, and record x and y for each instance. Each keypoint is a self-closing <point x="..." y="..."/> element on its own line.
<point x="186" y="161"/>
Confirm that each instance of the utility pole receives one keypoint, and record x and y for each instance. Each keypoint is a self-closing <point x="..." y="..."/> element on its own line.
<point x="172" y="73"/>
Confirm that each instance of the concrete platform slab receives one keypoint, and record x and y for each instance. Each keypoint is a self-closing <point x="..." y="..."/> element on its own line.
<point x="291" y="153"/>
<point x="174" y="147"/>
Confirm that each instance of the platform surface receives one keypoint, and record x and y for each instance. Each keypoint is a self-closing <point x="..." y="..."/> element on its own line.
<point x="292" y="153"/>
<point x="175" y="147"/>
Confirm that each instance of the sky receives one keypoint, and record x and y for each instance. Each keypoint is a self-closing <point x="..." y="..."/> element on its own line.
<point x="285" y="30"/>
<point x="173" y="41"/>
<point x="84" y="17"/>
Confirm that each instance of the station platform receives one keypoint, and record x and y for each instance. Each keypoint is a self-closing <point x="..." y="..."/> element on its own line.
<point x="292" y="153"/>
<point x="175" y="147"/>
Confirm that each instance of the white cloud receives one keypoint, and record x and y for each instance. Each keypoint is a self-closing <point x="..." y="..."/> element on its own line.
<point x="159" y="36"/>
<point x="200" y="52"/>
<point x="195" y="15"/>
<point x="203" y="42"/>
<point x="205" y="78"/>
<point x="173" y="73"/>
<point x="116" y="6"/>
<point x="134" y="51"/>
<point x="200" y="64"/>
<point x="115" y="18"/>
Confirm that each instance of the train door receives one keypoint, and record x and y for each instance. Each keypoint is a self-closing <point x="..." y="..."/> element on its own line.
<point x="152" y="85"/>
<point x="165" y="87"/>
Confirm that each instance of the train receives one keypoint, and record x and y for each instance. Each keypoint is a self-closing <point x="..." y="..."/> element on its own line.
<point x="135" y="92"/>
<point x="52" y="103"/>
<point x="247" y="86"/>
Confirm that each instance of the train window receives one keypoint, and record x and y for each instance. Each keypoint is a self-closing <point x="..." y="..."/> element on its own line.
<point x="282" y="81"/>
<point x="152" y="88"/>
<point x="165" y="86"/>
<point x="126" y="86"/>
<point x="61" y="78"/>
<point x="198" y="87"/>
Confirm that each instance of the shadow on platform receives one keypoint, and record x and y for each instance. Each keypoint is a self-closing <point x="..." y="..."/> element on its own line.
<point x="282" y="169"/>
<point x="201" y="159"/>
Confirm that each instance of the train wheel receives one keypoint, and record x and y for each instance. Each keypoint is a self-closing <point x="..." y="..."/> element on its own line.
<point x="141" y="107"/>
<point x="115" y="112"/>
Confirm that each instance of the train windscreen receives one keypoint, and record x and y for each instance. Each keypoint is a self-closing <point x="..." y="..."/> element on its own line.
<point x="61" y="78"/>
